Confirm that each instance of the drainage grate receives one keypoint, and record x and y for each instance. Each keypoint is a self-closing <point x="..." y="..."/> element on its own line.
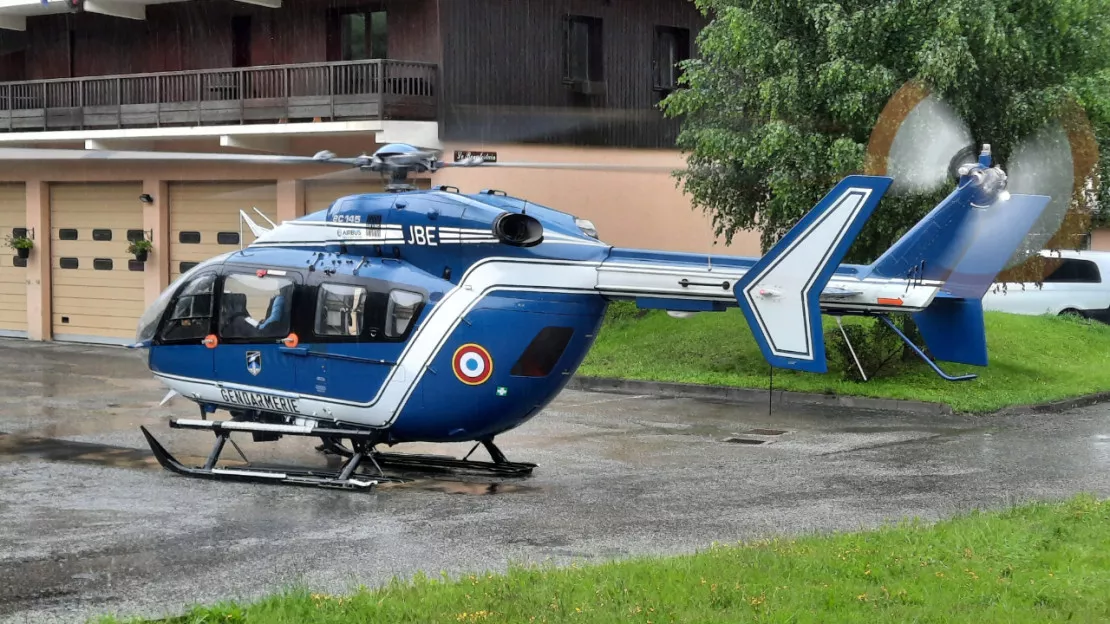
<point x="766" y="432"/>
<point x="744" y="441"/>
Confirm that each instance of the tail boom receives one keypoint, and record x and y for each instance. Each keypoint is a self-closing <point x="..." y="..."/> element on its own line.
<point x="936" y="272"/>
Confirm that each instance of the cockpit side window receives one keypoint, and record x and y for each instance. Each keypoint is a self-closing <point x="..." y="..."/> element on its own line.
<point x="191" y="316"/>
<point x="255" y="308"/>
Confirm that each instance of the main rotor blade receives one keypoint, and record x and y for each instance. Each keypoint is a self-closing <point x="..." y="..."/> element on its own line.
<point x="34" y="154"/>
<point x="476" y="163"/>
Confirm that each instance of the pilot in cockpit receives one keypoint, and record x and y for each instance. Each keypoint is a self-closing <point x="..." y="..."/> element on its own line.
<point x="238" y="321"/>
<point x="278" y="308"/>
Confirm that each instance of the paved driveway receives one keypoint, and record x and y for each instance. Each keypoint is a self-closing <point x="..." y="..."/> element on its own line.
<point x="90" y="524"/>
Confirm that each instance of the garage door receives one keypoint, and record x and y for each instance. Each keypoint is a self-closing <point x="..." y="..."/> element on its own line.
<point x="204" y="218"/>
<point x="320" y="195"/>
<point x="97" y="290"/>
<point x="13" y="278"/>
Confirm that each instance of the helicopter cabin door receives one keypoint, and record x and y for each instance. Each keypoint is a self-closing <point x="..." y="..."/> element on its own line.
<point x="358" y="328"/>
<point x="255" y="321"/>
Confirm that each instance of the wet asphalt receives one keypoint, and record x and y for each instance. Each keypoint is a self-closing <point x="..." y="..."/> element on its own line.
<point x="90" y="524"/>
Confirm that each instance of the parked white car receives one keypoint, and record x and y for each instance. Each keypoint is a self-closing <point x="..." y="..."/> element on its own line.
<point x="1079" y="285"/>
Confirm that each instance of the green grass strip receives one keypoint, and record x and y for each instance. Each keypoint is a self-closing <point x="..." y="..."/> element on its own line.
<point x="1033" y="359"/>
<point x="1039" y="563"/>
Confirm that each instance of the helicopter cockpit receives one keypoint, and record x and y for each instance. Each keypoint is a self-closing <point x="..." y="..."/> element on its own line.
<point x="222" y="301"/>
<point x="195" y="302"/>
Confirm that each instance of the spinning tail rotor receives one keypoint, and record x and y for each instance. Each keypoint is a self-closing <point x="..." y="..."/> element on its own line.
<point x="922" y="143"/>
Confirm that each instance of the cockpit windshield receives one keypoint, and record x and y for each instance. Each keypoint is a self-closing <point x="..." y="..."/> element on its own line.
<point x="148" y="323"/>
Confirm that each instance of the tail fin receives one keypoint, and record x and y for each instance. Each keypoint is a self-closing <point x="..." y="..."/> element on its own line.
<point x="953" y="326"/>
<point x="996" y="234"/>
<point x="931" y="249"/>
<point x="780" y="295"/>
<point x="966" y="240"/>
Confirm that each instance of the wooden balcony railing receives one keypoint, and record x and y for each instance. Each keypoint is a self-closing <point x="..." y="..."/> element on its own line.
<point x="374" y="89"/>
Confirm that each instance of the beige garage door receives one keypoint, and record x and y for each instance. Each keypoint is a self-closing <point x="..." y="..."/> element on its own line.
<point x="98" y="287"/>
<point x="13" y="278"/>
<point x="204" y="218"/>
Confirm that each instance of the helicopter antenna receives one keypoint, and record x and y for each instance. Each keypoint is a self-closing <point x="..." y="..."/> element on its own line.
<point x="272" y="224"/>
<point x="256" y="229"/>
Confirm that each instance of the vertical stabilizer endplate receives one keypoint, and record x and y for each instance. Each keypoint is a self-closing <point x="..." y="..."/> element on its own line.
<point x="780" y="294"/>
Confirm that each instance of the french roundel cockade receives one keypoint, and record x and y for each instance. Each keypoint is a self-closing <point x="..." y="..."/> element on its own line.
<point x="473" y="364"/>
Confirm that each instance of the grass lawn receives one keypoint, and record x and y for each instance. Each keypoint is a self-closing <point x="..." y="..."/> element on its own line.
<point x="1033" y="359"/>
<point x="1035" y="563"/>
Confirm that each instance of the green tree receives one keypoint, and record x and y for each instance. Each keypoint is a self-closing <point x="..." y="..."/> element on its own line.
<point x="783" y="96"/>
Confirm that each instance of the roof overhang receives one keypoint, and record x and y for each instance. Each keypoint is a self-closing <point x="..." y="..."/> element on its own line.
<point x="14" y="13"/>
<point x="273" y="138"/>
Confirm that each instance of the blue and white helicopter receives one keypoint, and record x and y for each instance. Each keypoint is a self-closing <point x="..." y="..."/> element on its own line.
<point x="440" y="316"/>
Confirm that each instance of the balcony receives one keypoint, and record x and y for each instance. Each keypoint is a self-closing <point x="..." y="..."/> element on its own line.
<point x="357" y="90"/>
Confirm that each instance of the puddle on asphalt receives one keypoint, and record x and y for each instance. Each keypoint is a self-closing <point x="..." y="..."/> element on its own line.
<point x="15" y="447"/>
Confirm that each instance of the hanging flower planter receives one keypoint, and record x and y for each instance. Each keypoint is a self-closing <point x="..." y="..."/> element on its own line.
<point x="21" y="244"/>
<point x="140" y="249"/>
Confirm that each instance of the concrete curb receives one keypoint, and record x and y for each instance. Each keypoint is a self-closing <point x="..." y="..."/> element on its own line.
<point x="1054" y="407"/>
<point x="748" y="395"/>
<point x="784" y="397"/>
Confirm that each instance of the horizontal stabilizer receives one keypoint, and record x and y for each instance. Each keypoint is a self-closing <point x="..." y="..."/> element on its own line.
<point x="780" y="295"/>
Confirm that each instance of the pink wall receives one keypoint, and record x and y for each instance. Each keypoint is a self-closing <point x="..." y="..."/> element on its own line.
<point x="643" y="210"/>
<point x="1100" y="240"/>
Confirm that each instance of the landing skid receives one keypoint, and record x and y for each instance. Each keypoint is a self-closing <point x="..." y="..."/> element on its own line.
<point x="363" y="468"/>
<point x="423" y="464"/>
<point x="933" y="365"/>
<point x="921" y="354"/>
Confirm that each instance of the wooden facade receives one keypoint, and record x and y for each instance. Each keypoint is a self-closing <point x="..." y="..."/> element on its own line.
<point x="582" y="72"/>
<point x="509" y="70"/>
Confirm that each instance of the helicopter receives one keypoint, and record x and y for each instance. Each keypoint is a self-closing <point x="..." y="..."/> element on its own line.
<point x="437" y="316"/>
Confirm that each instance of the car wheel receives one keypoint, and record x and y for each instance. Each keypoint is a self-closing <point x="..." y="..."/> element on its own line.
<point x="1071" y="312"/>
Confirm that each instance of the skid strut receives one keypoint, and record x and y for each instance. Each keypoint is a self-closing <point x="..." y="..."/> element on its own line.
<point x="361" y="455"/>
<point x="438" y="464"/>
<point x="344" y="478"/>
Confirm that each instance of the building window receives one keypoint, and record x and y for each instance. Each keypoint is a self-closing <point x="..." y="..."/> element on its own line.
<point x="582" y="49"/>
<point x="227" y="238"/>
<point x="672" y="46"/>
<point x="362" y="36"/>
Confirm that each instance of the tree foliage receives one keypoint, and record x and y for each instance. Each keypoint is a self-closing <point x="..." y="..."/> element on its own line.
<point x="781" y="100"/>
